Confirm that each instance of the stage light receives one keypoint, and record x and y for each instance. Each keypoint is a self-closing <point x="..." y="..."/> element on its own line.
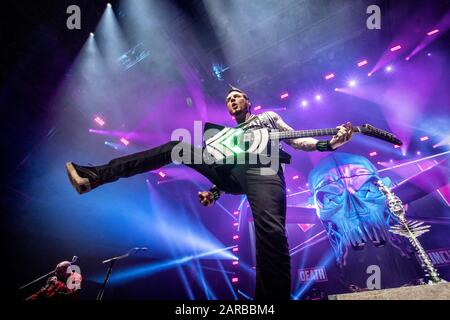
<point x="235" y="249"/>
<point x="236" y="213"/>
<point x="91" y="34"/>
<point x="388" y="68"/>
<point x="395" y="48"/>
<point x="352" y="83"/>
<point x="109" y="5"/>
<point x="404" y="154"/>
<point x="125" y="141"/>
<point x="318" y="97"/>
<point x="407" y="58"/>
<point x="396" y="146"/>
<point x="433" y="32"/>
<point x="257" y="108"/>
<point x="362" y="63"/>
<point x="373" y="154"/>
<point x="329" y="76"/>
<point x="424" y="138"/>
<point x="304" y="103"/>
<point x="295" y="177"/>
<point x="284" y="95"/>
<point x="418" y="153"/>
<point x="234" y="280"/>
<point x="235" y="237"/>
<point x="391" y="160"/>
<point x="162" y="174"/>
<point x="369" y="74"/>
<point x="235" y="224"/>
<point x="99" y="121"/>
<point x="336" y="89"/>
<point x="235" y="263"/>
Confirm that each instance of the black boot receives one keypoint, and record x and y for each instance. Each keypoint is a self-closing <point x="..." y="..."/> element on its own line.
<point x="84" y="179"/>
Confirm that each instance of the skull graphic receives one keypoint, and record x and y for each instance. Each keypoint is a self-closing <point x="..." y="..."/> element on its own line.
<point x="349" y="204"/>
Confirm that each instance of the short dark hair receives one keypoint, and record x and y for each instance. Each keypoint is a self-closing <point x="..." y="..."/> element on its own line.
<point x="231" y="89"/>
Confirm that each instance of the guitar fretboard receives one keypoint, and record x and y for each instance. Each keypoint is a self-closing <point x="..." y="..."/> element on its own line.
<point x="280" y="135"/>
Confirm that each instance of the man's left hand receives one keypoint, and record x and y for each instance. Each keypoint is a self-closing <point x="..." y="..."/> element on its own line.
<point x="343" y="136"/>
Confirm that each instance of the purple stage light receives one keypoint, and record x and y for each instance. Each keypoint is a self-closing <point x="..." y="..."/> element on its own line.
<point x="236" y="213"/>
<point x="258" y="108"/>
<point x="235" y="237"/>
<point x="395" y="48"/>
<point x="162" y="174"/>
<point x="234" y="280"/>
<point x="235" y="224"/>
<point x="352" y="83"/>
<point x="433" y="32"/>
<point x="318" y="97"/>
<point x="418" y="153"/>
<point x="373" y="154"/>
<point x="362" y="63"/>
<point x="295" y="177"/>
<point x="329" y="76"/>
<point x="235" y="263"/>
<point x="235" y="249"/>
<point x="424" y="138"/>
<point x="100" y="121"/>
<point x="284" y="95"/>
<point x="125" y="141"/>
<point x="304" y="103"/>
<point x="388" y="68"/>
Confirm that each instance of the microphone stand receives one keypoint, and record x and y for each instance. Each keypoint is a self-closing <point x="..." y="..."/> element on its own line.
<point x="111" y="264"/>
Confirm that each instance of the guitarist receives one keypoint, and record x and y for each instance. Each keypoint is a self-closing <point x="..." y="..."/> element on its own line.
<point x="266" y="193"/>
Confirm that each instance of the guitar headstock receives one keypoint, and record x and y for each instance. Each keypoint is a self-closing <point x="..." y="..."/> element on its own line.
<point x="370" y="130"/>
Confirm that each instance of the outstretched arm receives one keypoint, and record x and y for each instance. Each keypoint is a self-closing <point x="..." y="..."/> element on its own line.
<point x="310" y="144"/>
<point x="305" y="144"/>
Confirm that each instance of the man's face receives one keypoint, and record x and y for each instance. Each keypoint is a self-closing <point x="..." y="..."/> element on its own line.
<point x="237" y="103"/>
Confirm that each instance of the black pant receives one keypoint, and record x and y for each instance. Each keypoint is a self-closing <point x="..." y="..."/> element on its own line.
<point x="265" y="193"/>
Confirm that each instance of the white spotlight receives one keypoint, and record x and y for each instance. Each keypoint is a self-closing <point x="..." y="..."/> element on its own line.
<point x="109" y="5"/>
<point x="318" y="97"/>
<point x="352" y="83"/>
<point x="304" y="103"/>
<point x="389" y="68"/>
<point x="91" y="34"/>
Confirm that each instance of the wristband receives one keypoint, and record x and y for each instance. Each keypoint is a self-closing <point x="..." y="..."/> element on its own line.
<point x="324" y="145"/>
<point x="216" y="192"/>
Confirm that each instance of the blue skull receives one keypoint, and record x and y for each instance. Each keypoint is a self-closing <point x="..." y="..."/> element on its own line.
<point x="350" y="206"/>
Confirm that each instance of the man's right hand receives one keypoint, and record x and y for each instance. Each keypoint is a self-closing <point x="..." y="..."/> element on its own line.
<point x="206" y="198"/>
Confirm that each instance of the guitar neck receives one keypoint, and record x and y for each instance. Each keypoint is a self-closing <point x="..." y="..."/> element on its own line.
<point x="281" y="135"/>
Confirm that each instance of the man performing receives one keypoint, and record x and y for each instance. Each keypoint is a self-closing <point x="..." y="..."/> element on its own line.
<point x="266" y="193"/>
<point x="63" y="285"/>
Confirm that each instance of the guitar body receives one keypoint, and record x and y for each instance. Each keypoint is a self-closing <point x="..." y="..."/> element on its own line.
<point x="235" y="146"/>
